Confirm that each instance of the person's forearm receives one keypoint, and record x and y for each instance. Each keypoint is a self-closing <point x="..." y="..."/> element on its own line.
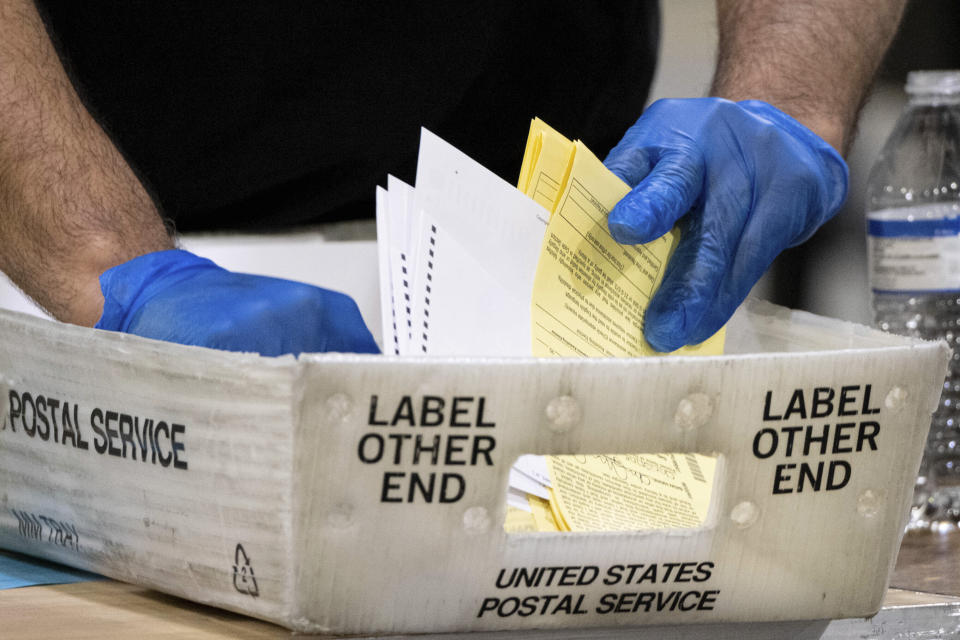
<point x="70" y="206"/>
<point x="813" y="59"/>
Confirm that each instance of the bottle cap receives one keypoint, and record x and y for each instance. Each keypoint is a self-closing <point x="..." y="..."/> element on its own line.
<point x="941" y="83"/>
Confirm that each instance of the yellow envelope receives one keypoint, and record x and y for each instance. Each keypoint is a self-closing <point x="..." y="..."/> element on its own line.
<point x="590" y="292"/>
<point x="631" y="492"/>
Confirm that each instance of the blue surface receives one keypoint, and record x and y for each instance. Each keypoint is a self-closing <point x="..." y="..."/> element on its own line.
<point x="18" y="570"/>
<point x="935" y="228"/>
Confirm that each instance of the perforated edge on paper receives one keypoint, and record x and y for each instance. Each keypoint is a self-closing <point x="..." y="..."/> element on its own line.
<point x="429" y="287"/>
<point x="406" y="297"/>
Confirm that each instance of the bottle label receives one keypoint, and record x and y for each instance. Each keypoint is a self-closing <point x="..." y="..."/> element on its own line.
<point x="914" y="249"/>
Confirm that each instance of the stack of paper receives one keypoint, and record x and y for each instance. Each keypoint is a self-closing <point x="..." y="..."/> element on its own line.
<point x="470" y="266"/>
<point x="590" y="293"/>
<point x="457" y="258"/>
<point x="609" y="493"/>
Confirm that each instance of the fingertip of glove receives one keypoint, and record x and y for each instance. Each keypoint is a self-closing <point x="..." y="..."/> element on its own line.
<point x="626" y="226"/>
<point x="624" y="233"/>
<point x="666" y="330"/>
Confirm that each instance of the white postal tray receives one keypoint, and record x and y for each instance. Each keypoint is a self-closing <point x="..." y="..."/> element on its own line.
<point x="269" y="486"/>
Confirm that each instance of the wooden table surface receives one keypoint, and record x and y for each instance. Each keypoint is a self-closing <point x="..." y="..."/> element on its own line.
<point x="929" y="562"/>
<point x="104" y="609"/>
<point x="107" y="609"/>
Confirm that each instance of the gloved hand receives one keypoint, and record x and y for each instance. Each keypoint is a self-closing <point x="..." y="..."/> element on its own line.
<point x="179" y="297"/>
<point x="744" y="179"/>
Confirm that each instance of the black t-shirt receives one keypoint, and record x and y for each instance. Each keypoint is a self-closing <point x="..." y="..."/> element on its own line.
<point x="241" y="114"/>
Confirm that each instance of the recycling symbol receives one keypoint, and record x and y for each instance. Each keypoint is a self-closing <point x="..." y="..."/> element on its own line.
<point x="243" y="578"/>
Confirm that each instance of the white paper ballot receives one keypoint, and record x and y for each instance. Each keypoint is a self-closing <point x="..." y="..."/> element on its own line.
<point x="388" y="316"/>
<point x="400" y="234"/>
<point x="518" y="500"/>
<point x="456" y="291"/>
<point x="479" y="248"/>
<point x="492" y="219"/>
<point x="461" y="250"/>
<point x="534" y="467"/>
<point x="521" y="482"/>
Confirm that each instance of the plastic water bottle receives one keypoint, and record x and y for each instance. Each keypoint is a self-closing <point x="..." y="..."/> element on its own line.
<point x="913" y="237"/>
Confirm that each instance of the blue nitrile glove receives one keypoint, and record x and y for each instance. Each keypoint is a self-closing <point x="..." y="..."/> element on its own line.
<point x="754" y="181"/>
<point x="179" y="297"/>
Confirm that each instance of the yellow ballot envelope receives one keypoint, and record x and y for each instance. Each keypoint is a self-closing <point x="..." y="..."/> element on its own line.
<point x="590" y="292"/>
<point x="618" y="492"/>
